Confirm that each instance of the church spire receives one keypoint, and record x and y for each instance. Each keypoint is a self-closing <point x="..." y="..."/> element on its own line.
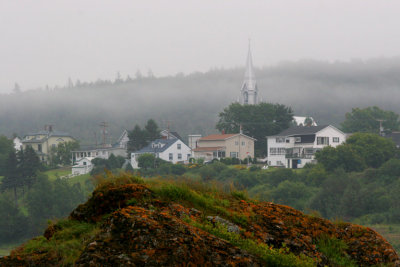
<point x="249" y="88"/>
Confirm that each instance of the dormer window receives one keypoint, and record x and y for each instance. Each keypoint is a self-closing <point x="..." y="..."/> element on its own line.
<point x="298" y="139"/>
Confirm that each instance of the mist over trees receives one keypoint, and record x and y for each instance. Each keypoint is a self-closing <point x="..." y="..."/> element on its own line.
<point x="191" y="103"/>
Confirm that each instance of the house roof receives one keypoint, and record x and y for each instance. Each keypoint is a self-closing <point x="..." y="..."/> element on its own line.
<point x="218" y="137"/>
<point x="301" y="130"/>
<point x="206" y="149"/>
<point x="52" y="133"/>
<point x="172" y="134"/>
<point x="395" y="136"/>
<point x="150" y="149"/>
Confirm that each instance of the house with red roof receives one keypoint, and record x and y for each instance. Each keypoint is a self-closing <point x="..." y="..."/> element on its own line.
<point x="218" y="146"/>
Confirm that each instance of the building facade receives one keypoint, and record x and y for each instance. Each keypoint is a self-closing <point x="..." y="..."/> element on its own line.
<point x="296" y="146"/>
<point x="43" y="141"/>
<point x="218" y="146"/>
<point x="172" y="150"/>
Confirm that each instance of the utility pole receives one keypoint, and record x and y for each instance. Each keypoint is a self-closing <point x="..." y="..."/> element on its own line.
<point x="104" y="132"/>
<point x="381" y="133"/>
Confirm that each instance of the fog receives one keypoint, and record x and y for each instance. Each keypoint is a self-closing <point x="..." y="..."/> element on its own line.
<point x="191" y="103"/>
<point x="45" y="42"/>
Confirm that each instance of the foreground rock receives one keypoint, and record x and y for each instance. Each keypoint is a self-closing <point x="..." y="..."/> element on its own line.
<point x="137" y="228"/>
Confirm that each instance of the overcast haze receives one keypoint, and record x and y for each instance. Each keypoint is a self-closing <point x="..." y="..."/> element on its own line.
<point x="45" y="42"/>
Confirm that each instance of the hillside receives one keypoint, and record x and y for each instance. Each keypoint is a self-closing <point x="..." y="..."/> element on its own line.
<point x="128" y="222"/>
<point x="191" y="103"/>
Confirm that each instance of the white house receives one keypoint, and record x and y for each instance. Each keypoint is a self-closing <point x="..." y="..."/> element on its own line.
<point x="103" y="151"/>
<point x="82" y="166"/>
<point x="172" y="150"/>
<point x="296" y="146"/>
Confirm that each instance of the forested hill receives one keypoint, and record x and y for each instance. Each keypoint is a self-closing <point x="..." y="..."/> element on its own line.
<point x="191" y="103"/>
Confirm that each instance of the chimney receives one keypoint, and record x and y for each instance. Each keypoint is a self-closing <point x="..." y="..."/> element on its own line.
<point x="223" y="131"/>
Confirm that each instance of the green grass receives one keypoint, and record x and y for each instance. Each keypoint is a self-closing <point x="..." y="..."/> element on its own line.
<point x="335" y="251"/>
<point x="271" y="256"/>
<point x="67" y="243"/>
<point x="54" y="174"/>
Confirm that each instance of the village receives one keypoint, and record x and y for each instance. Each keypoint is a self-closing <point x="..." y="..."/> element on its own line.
<point x="293" y="147"/>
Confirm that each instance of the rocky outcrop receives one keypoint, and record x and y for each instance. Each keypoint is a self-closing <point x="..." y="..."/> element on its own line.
<point x="138" y="228"/>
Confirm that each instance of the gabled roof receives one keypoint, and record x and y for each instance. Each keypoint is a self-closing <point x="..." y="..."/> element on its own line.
<point x="302" y="130"/>
<point x="150" y="149"/>
<point x="221" y="137"/>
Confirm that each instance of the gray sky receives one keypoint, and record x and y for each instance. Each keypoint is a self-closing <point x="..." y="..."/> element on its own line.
<point x="45" y="42"/>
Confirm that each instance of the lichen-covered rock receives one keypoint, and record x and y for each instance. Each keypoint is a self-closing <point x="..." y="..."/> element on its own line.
<point x="109" y="198"/>
<point x="143" y="230"/>
<point x="134" y="236"/>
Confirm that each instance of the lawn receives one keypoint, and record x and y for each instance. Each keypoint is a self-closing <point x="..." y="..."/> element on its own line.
<point x="54" y="174"/>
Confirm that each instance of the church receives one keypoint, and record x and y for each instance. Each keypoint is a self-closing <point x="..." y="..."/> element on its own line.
<point x="249" y="91"/>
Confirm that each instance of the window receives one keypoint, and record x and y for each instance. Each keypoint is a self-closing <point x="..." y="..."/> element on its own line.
<point x="279" y="163"/>
<point x="243" y="143"/>
<point x="335" y="140"/>
<point x="297" y="139"/>
<point x="236" y="143"/>
<point x="89" y="153"/>
<point x="288" y="140"/>
<point x="179" y="147"/>
<point x="53" y="146"/>
<point x="188" y="156"/>
<point x="221" y="154"/>
<point x="180" y="156"/>
<point x="39" y="147"/>
<point x="273" y="151"/>
<point x="280" y="140"/>
<point x="234" y="154"/>
<point x="84" y="163"/>
<point x="309" y="151"/>
<point x="171" y="156"/>
<point x="322" y="140"/>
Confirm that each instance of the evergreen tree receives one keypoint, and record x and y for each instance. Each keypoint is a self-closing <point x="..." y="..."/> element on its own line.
<point x="12" y="177"/>
<point x="151" y="131"/>
<point x="30" y="166"/>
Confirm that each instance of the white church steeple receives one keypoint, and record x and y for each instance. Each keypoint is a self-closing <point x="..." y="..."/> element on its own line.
<point x="249" y="89"/>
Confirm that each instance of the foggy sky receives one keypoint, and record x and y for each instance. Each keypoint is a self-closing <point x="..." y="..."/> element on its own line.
<point x="45" y="42"/>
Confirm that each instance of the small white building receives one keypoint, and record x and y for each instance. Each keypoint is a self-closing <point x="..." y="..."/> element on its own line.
<point x="82" y="166"/>
<point x="172" y="150"/>
<point x="17" y="143"/>
<point x="296" y="146"/>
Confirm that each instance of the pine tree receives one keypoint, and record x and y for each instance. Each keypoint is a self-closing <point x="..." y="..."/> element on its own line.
<point x="12" y="177"/>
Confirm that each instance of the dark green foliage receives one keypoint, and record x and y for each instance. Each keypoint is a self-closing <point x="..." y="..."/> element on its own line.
<point x="113" y="162"/>
<point x="361" y="150"/>
<point x="61" y="155"/>
<point x="139" y="138"/>
<point x="335" y="251"/>
<point x="147" y="161"/>
<point x="294" y="194"/>
<point x="6" y="146"/>
<point x="178" y="169"/>
<point x="30" y="165"/>
<point x="365" y="120"/>
<point x="258" y="121"/>
<point x="374" y="149"/>
<point x="12" y="176"/>
<point x="13" y="224"/>
<point x="49" y="200"/>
